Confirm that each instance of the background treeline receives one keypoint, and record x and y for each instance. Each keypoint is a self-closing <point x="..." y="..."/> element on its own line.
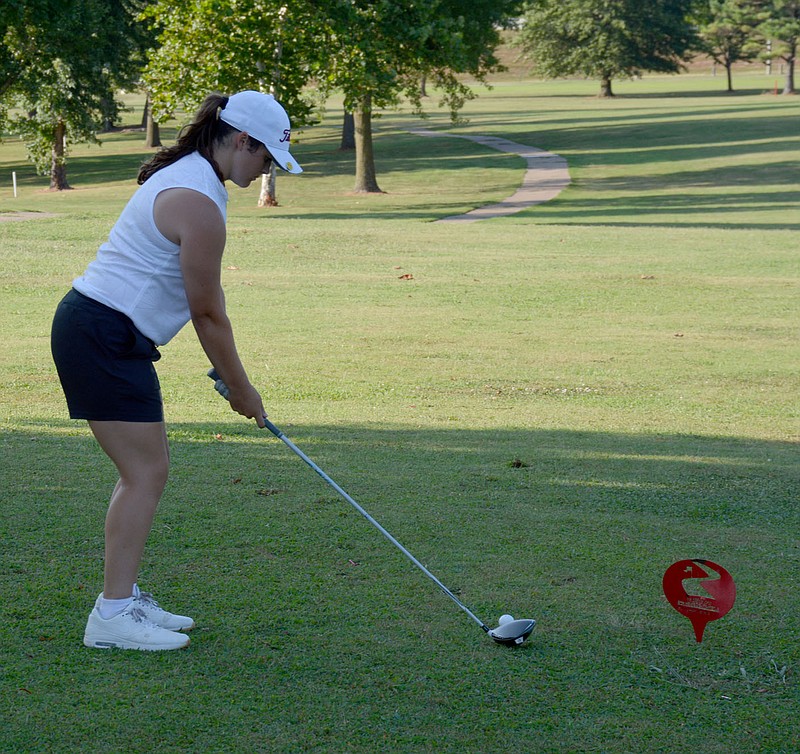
<point x="63" y="61"/>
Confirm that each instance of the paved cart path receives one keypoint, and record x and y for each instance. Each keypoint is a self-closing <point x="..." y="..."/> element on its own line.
<point x="546" y="177"/>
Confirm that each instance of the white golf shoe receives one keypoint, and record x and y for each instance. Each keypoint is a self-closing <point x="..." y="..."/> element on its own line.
<point x="130" y="629"/>
<point x="156" y="614"/>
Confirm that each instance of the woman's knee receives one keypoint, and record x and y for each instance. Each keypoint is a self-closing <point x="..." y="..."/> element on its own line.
<point x="151" y="474"/>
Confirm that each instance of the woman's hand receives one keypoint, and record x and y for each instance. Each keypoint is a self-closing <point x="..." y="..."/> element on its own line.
<point x="247" y="402"/>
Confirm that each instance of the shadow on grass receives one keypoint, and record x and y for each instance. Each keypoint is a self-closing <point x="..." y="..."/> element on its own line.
<point x="767" y="89"/>
<point x="106" y="168"/>
<point x="605" y="139"/>
<point x="100" y="163"/>
<point x="714" y="481"/>
<point x="710" y="210"/>
<point x="626" y="111"/>
<point x="313" y="626"/>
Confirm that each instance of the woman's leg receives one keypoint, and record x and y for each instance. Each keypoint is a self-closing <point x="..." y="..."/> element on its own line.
<point x="140" y="452"/>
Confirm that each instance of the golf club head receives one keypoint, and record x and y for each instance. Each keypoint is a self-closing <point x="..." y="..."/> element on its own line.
<point x="514" y="632"/>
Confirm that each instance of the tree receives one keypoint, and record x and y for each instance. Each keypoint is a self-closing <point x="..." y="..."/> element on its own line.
<point x="60" y="66"/>
<point x="377" y="51"/>
<point x="373" y="50"/>
<point x="606" y="39"/>
<point x="228" y="46"/>
<point x="727" y="33"/>
<point x="782" y="28"/>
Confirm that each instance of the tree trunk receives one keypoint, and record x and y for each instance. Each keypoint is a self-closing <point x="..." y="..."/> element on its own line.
<point x="267" y="197"/>
<point x="153" y="137"/>
<point x="348" y="133"/>
<point x="58" y="167"/>
<point x="605" y="87"/>
<point x="108" y="124"/>
<point x="366" y="181"/>
<point x="788" y="87"/>
<point x="729" y="71"/>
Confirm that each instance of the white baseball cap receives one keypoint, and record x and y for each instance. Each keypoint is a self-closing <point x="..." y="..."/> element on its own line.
<point x="261" y="116"/>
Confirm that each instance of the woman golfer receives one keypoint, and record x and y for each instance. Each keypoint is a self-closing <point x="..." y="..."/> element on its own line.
<point x="159" y="268"/>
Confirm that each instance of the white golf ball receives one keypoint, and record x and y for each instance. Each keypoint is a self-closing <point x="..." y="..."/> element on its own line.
<point x="505" y="619"/>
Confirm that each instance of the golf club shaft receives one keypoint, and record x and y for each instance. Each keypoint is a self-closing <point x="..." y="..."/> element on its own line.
<point x="222" y="389"/>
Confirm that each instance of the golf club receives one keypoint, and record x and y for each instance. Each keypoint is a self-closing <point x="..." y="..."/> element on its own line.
<point x="511" y="632"/>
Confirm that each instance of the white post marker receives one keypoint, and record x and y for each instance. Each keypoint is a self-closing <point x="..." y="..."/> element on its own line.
<point x="14" y="181"/>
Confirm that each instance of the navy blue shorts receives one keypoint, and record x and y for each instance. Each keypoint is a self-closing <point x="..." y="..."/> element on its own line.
<point x="104" y="363"/>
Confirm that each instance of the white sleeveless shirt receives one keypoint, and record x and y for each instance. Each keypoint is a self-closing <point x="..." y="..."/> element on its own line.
<point x="137" y="271"/>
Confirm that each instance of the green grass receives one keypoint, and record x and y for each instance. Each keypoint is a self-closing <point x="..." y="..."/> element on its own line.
<point x="554" y="409"/>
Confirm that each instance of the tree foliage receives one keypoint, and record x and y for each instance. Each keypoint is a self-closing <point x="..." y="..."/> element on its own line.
<point x="781" y="28"/>
<point x="232" y="45"/>
<point x="728" y="32"/>
<point x="385" y="47"/>
<point x="374" y="51"/>
<point x="606" y="39"/>
<point x="378" y="51"/>
<point x="227" y="46"/>
<point x="61" y="64"/>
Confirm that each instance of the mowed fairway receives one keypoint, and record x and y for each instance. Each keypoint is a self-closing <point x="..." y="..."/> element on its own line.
<point x="547" y="409"/>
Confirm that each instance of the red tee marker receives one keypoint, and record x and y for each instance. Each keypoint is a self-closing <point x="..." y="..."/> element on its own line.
<point x="711" y="592"/>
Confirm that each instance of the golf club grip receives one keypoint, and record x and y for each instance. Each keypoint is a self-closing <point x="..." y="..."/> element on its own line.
<point x="223" y="390"/>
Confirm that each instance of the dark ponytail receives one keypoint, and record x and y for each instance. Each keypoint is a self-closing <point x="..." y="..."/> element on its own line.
<point x="199" y="136"/>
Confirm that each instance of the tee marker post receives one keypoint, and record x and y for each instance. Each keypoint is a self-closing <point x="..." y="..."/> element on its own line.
<point x="713" y="592"/>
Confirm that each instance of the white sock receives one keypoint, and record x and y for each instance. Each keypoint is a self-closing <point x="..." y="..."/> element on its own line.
<point x="109" y="608"/>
